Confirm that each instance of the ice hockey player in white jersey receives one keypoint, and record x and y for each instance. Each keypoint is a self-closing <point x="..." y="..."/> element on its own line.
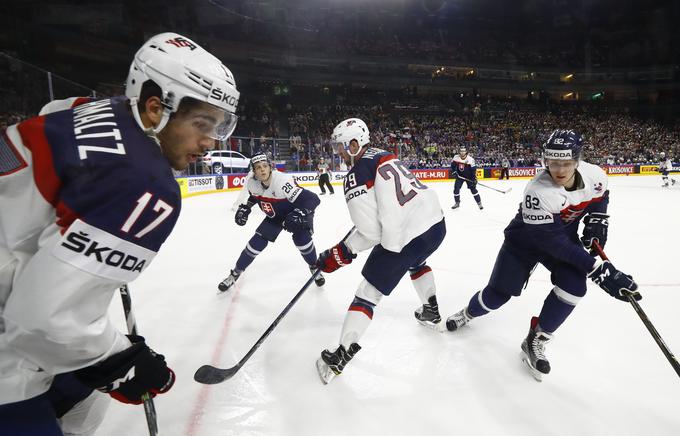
<point x="665" y="166"/>
<point x="545" y="230"/>
<point x="464" y="169"/>
<point x="88" y="198"/>
<point x="399" y="219"/>
<point x="286" y="206"/>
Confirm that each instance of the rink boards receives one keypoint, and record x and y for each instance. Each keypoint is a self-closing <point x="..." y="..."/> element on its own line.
<point x="210" y="184"/>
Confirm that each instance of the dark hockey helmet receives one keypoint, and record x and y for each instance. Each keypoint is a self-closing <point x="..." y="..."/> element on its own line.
<point x="259" y="157"/>
<point x="563" y="145"/>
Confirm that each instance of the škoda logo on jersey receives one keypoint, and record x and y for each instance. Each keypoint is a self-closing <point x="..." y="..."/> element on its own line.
<point x="80" y="242"/>
<point x="181" y="42"/>
<point x="101" y="253"/>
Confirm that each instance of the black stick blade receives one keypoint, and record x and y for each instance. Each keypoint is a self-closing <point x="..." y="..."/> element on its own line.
<point x="209" y="375"/>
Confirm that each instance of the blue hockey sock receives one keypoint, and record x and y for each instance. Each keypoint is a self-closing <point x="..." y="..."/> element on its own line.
<point x="254" y="247"/>
<point x="485" y="301"/>
<point x="303" y="242"/>
<point x="555" y="311"/>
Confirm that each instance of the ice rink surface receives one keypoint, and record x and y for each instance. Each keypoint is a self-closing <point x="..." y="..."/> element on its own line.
<point x="608" y="375"/>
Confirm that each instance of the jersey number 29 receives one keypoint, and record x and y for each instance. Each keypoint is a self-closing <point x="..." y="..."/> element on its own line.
<point x="395" y="170"/>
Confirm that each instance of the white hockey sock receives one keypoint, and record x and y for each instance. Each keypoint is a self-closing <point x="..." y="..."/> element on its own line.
<point x="423" y="282"/>
<point x="356" y="323"/>
<point x="359" y="314"/>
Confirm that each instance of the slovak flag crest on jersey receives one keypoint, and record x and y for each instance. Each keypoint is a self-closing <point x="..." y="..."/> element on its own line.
<point x="267" y="208"/>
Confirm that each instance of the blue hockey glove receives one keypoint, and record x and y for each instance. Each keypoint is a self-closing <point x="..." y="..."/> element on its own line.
<point x="298" y="220"/>
<point x="614" y="282"/>
<point x="595" y="229"/>
<point x="242" y="213"/>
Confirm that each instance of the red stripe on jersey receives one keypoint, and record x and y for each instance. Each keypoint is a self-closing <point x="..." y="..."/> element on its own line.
<point x="81" y="100"/>
<point x="15" y="152"/>
<point x="65" y="216"/>
<point x="46" y="179"/>
<point x="357" y="308"/>
<point x="261" y="198"/>
<point x="369" y="184"/>
<point x="569" y="213"/>
<point x="421" y="273"/>
<point x="386" y="158"/>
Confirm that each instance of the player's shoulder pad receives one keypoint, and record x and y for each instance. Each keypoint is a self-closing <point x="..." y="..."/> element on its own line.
<point x="279" y="179"/>
<point x="252" y="184"/>
<point x="541" y="194"/>
<point x="593" y="174"/>
<point x="376" y="157"/>
<point x="60" y="105"/>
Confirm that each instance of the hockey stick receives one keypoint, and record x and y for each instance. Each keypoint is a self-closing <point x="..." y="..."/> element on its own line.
<point x="149" y="407"/>
<point x="210" y="375"/>
<point x="645" y="320"/>
<point x="486" y="186"/>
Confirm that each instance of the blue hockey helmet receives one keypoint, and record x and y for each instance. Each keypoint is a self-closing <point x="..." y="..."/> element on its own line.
<point x="563" y="145"/>
<point x="259" y="157"/>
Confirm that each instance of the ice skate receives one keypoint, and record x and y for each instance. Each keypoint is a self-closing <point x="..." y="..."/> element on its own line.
<point x="455" y="206"/>
<point x="229" y="282"/>
<point x="428" y="314"/>
<point x="458" y="320"/>
<point x="319" y="280"/>
<point x="480" y="206"/>
<point x="331" y="363"/>
<point x="533" y="351"/>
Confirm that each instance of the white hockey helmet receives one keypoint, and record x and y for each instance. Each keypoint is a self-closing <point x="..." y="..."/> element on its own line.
<point x="662" y="154"/>
<point x="182" y="68"/>
<point x="351" y="129"/>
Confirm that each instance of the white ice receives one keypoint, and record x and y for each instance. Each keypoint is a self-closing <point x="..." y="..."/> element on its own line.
<point x="608" y="375"/>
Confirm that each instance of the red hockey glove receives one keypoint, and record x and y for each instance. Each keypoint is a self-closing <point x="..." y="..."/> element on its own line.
<point x="335" y="257"/>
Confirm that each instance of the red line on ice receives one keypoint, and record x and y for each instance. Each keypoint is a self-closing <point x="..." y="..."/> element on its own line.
<point x="194" y="423"/>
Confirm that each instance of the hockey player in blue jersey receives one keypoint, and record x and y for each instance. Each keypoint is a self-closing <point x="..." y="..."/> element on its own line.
<point x="400" y="220"/>
<point x="88" y="198"/>
<point x="286" y="206"/>
<point x="464" y="170"/>
<point x="545" y="230"/>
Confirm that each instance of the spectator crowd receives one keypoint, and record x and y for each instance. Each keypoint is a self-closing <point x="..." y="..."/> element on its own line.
<point x="491" y="130"/>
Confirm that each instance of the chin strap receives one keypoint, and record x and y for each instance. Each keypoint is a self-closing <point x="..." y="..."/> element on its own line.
<point x="151" y="132"/>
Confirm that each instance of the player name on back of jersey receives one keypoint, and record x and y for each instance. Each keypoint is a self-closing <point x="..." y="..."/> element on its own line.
<point x="96" y="130"/>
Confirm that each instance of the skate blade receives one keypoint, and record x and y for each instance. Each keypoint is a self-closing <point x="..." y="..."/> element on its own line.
<point x="326" y="374"/>
<point x="226" y="291"/>
<point x="536" y="374"/>
<point x="436" y="327"/>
